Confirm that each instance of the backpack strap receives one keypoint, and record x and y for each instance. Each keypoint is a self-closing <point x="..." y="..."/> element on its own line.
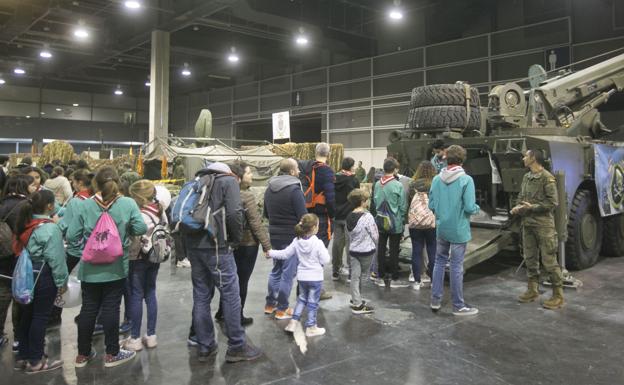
<point x="151" y="216"/>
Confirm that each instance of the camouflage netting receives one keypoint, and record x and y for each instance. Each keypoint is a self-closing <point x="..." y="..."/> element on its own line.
<point x="305" y="151"/>
<point x="16" y="158"/>
<point x="116" y="162"/>
<point x="57" y="149"/>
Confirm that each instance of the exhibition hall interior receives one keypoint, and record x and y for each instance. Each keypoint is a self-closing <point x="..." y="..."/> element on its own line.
<point x="311" y="192"/>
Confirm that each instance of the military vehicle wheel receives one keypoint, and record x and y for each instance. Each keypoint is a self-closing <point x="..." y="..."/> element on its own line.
<point x="613" y="238"/>
<point x="443" y="95"/>
<point x="442" y="117"/>
<point x="584" y="231"/>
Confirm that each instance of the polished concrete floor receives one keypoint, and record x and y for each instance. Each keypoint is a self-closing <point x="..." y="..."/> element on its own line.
<point x="402" y="343"/>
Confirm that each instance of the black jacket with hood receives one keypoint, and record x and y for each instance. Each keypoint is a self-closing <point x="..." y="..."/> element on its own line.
<point x="343" y="186"/>
<point x="284" y="206"/>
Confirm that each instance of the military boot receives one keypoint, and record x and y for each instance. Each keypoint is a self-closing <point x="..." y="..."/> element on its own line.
<point x="531" y="294"/>
<point x="556" y="301"/>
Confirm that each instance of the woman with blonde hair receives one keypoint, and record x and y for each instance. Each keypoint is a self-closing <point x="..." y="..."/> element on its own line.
<point x="143" y="273"/>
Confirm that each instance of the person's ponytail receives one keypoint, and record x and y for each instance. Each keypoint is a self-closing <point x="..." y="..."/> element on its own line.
<point x="107" y="183"/>
<point x="36" y="204"/>
<point x="306" y="225"/>
<point x="299" y="232"/>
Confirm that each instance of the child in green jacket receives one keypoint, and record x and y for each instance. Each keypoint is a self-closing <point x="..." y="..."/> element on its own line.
<point x="103" y="284"/>
<point x="42" y="238"/>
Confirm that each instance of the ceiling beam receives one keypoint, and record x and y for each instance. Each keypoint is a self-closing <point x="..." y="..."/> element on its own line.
<point x="172" y="23"/>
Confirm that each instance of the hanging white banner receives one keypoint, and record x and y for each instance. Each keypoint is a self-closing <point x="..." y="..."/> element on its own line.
<point x="281" y="125"/>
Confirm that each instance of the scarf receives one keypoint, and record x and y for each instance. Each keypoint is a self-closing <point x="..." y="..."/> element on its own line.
<point x="20" y="242"/>
<point x="385" y="179"/>
<point x="82" y="195"/>
<point x="105" y="205"/>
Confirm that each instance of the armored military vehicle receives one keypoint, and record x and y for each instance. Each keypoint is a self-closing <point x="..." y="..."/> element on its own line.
<point x="558" y="115"/>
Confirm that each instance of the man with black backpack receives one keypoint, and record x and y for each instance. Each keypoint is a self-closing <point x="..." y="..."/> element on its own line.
<point x="209" y="250"/>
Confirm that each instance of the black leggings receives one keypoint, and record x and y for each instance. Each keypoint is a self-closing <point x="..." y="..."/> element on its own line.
<point x="245" y="258"/>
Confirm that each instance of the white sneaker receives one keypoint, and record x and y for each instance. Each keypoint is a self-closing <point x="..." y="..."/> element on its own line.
<point x="416" y="286"/>
<point x="466" y="310"/>
<point x="150" y="341"/>
<point x="184" y="263"/>
<point x="411" y="278"/>
<point x="314" y="331"/>
<point x="425" y="279"/>
<point x="398" y="283"/>
<point x="344" y="271"/>
<point x="133" y="344"/>
<point x="292" y="325"/>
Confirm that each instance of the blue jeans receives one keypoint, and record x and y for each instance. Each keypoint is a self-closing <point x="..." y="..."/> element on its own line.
<point x="421" y="238"/>
<point x="281" y="278"/>
<point x="309" y="296"/>
<point x="100" y="300"/>
<point x="444" y="251"/>
<point x="373" y="265"/>
<point x="210" y="269"/>
<point x="142" y="282"/>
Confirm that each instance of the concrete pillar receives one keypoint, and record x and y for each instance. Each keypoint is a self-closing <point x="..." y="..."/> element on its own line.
<point x="159" y="89"/>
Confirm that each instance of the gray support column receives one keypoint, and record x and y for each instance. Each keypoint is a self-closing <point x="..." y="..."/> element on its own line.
<point x="159" y="89"/>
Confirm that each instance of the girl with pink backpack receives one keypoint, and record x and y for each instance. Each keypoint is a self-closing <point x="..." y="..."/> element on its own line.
<point x="102" y="225"/>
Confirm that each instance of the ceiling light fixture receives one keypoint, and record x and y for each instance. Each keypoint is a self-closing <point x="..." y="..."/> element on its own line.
<point x="27" y="116"/>
<point x="395" y="14"/>
<point x="132" y="4"/>
<point x="233" y="57"/>
<point x="58" y="109"/>
<point x="45" y="53"/>
<point x="81" y="32"/>
<point x="186" y="71"/>
<point x="19" y="71"/>
<point x="148" y="84"/>
<point x="118" y="91"/>
<point x="75" y="104"/>
<point x="2" y="81"/>
<point x="301" y="39"/>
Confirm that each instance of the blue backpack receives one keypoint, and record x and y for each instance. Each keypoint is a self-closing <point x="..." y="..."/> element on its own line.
<point x="23" y="285"/>
<point x="191" y="211"/>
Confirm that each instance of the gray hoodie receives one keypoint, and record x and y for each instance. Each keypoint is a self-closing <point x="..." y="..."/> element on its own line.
<point x="451" y="174"/>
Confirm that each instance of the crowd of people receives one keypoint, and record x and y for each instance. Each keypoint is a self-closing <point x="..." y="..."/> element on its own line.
<point x="306" y="205"/>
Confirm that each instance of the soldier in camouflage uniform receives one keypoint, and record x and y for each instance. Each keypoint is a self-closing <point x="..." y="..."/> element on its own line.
<point x="536" y="205"/>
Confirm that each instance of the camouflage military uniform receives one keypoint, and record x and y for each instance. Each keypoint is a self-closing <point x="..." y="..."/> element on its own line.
<point x="538" y="225"/>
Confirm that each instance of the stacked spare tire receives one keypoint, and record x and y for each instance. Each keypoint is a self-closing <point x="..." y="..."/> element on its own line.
<point x="444" y="107"/>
